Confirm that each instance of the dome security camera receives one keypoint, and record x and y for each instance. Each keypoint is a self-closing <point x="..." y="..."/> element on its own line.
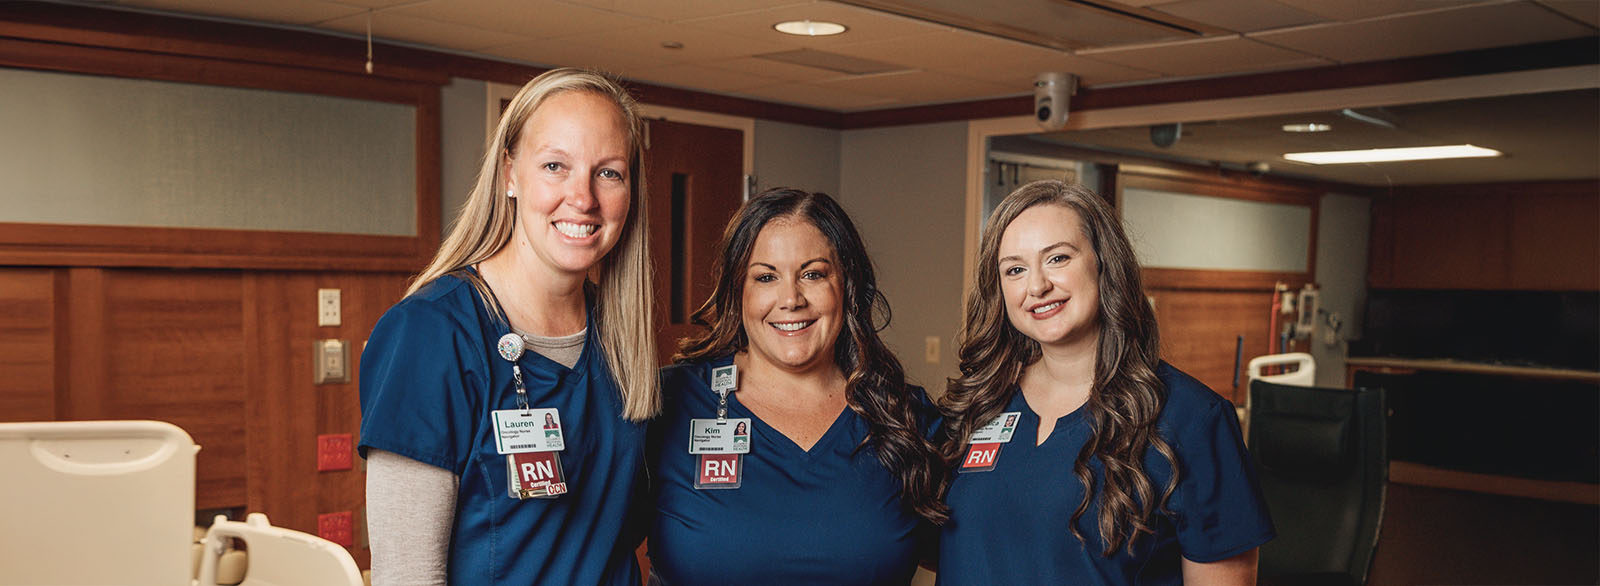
<point x="1051" y="93"/>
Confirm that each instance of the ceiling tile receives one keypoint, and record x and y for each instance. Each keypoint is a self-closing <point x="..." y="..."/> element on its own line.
<point x="298" y="12"/>
<point x="1020" y="72"/>
<point x="817" y="97"/>
<point x="678" y="10"/>
<point x="1358" y="9"/>
<point x="699" y="45"/>
<point x="916" y="87"/>
<point x="1058" y="23"/>
<point x="368" y="3"/>
<point x="1585" y="11"/>
<point x="423" y="31"/>
<point x="1445" y="31"/>
<point x="1240" y="15"/>
<point x="541" y="19"/>
<point x="1211" y="56"/>
<point x="573" y="54"/>
<point x="953" y="50"/>
<point x="701" y="77"/>
<point x="864" y="25"/>
<point x="775" y="69"/>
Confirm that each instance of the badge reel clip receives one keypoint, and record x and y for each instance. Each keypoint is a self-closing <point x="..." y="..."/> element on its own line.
<point x="721" y="443"/>
<point x="531" y="439"/>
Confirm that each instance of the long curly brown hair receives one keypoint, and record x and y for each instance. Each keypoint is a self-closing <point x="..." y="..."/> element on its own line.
<point x="1127" y="396"/>
<point x="875" y="385"/>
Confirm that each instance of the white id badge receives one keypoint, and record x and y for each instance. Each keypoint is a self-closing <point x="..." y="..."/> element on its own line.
<point x="521" y="431"/>
<point x="997" y="430"/>
<point x="728" y="436"/>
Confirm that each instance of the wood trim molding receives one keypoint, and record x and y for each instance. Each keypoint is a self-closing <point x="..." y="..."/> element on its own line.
<point x="1220" y="280"/>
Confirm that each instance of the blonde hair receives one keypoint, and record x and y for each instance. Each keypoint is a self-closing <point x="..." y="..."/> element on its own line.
<point x="625" y="292"/>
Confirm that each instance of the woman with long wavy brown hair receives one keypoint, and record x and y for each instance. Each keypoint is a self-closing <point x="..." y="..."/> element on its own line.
<point x="837" y="472"/>
<point x="1122" y="469"/>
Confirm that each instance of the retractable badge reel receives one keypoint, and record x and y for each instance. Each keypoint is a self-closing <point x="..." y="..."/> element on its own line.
<point x="530" y="439"/>
<point x="984" y="452"/>
<point x="721" y="443"/>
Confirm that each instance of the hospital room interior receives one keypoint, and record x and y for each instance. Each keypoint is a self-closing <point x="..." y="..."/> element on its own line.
<point x="207" y="206"/>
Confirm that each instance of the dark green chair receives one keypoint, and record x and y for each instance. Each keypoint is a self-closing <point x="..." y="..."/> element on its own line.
<point x="1324" y="469"/>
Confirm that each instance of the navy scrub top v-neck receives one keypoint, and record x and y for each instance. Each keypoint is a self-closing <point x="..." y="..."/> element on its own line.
<point x="1009" y="525"/>
<point x="430" y="376"/>
<point x="832" y="515"/>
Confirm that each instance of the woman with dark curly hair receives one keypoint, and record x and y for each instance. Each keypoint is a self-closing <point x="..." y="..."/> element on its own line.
<point x="1081" y="457"/>
<point x="838" y="472"/>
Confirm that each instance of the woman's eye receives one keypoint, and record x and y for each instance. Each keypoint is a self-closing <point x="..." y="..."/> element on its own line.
<point x="1059" y="258"/>
<point x="611" y="174"/>
<point x="1013" y="271"/>
<point x="552" y="167"/>
<point x="813" y="275"/>
<point x="767" y="278"/>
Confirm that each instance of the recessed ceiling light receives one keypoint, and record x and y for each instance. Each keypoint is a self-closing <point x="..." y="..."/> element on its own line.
<point x="1308" y="127"/>
<point x="810" y="28"/>
<point x="1456" y="151"/>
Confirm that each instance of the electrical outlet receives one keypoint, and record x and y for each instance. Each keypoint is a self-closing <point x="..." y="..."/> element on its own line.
<point x="334" y="452"/>
<point x="330" y="361"/>
<point x="337" y="527"/>
<point x="930" y="349"/>
<point x="328" y="310"/>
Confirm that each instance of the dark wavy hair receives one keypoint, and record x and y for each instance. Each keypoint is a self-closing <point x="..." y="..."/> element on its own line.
<point x="1126" y="397"/>
<point x="875" y="385"/>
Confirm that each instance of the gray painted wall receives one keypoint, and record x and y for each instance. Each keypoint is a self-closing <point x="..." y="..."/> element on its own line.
<point x="905" y="187"/>
<point x="802" y="157"/>
<point x="1343" y="225"/>
<point x="462" y="114"/>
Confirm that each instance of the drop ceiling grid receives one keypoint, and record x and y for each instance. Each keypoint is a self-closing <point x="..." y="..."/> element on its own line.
<point x="921" y="86"/>
<point x="863" y="25"/>
<point x="703" y="77"/>
<point x="1445" y="31"/>
<point x="291" y="12"/>
<point x="424" y="31"/>
<point x="681" y="10"/>
<point x="535" y="19"/>
<point x="1240" y="16"/>
<point x="1584" y="11"/>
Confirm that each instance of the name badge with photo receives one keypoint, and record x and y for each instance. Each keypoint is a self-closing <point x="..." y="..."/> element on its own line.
<point x="522" y="431"/>
<point x="997" y="430"/>
<point x="728" y="436"/>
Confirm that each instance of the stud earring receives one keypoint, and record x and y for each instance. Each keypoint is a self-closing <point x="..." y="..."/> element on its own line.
<point x="511" y="193"/>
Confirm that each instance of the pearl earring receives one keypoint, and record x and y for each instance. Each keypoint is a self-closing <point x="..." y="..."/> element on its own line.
<point x="511" y="193"/>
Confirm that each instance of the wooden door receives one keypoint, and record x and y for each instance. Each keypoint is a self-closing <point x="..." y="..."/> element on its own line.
<point x="695" y="178"/>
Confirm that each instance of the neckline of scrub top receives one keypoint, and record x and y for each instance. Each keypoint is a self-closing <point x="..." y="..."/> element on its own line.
<point x="1062" y="422"/>
<point x="788" y="443"/>
<point x="535" y="357"/>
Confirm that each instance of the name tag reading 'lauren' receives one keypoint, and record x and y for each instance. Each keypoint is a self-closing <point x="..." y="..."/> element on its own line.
<point x="520" y="431"/>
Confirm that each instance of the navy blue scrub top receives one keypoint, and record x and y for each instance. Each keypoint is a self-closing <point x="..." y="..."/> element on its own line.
<point x="829" y="516"/>
<point x="431" y="375"/>
<point x="1009" y="525"/>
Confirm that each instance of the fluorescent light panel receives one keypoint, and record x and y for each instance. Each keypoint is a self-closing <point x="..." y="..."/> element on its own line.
<point x="1455" y="151"/>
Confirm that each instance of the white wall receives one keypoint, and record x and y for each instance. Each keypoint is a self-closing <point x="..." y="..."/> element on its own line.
<point x="802" y="157"/>
<point x="1343" y="225"/>
<point x="904" y="188"/>
<point x="462" y="111"/>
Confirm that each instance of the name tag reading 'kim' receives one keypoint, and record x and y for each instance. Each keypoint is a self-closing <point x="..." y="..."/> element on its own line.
<point x="986" y="442"/>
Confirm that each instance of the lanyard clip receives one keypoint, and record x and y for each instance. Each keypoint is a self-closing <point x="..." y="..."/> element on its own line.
<point x="722" y="406"/>
<point x="522" y="391"/>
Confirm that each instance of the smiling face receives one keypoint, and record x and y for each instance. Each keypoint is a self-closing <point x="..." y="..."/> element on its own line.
<point x="792" y="291"/>
<point x="1049" y="278"/>
<point x="570" y="176"/>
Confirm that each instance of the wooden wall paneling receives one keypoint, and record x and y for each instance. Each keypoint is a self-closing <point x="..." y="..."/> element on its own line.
<point x="1199" y="331"/>
<point x="288" y="412"/>
<point x="173" y="348"/>
<point x="1555" y="240"/>
<point x="1380" y="251"/>
<point x="87" y="374"/>
<point x="28" y="341"/>
<point x="1450" y="242"/>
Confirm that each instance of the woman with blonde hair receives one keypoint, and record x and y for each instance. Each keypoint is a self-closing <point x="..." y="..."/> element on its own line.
<point x="1081" y="457"/>
<point x="503" y="332"/>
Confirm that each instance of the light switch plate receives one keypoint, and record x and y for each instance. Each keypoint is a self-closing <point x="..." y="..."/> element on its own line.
<point x="331" y="362"/>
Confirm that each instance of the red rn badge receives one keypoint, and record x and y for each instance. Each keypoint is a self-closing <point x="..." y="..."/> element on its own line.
<point x="535" y="475"/>
<point x="981" y="458"/>
<point x="719" y="471"/>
